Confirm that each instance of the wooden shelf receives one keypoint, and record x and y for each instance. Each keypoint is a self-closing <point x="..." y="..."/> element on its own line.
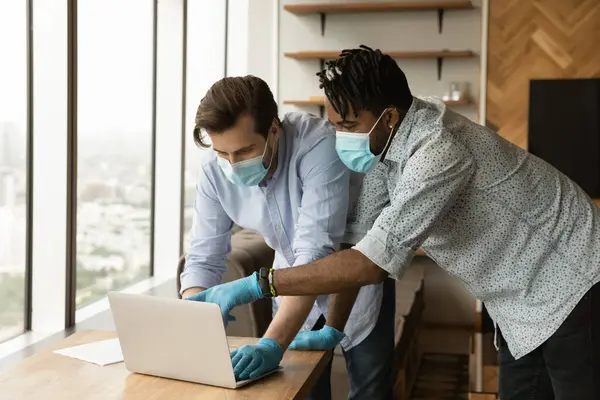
<point x="374" y="7"/>
<point x="440" y="56"/>
<point x="457" y="103"/>
<point x="305" y="103"/>
<point x="329" y="55"/>
<point x="321" y="102"/>
<point x="378" y="7"/>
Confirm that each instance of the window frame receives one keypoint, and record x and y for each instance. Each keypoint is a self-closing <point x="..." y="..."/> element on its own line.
<point x="170" y="118"/>
<point x="29" y="174"/>
<point x="48" y="285"/>
<point x="27" y="270"/>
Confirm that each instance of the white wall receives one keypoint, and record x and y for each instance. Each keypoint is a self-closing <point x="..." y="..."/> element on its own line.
<point x="252" y="40"/>
<point x="400" y="31"/>
<point x="237" y="37"/>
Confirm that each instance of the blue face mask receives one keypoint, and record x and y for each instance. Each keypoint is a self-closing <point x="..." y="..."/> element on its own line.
<point x="354" y="149"/>
<point x="248" y="172"/>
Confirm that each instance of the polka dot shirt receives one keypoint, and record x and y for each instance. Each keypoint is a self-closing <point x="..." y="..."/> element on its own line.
<point x="523" y="237"/>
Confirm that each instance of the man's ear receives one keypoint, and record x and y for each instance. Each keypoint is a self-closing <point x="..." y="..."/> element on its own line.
<point x="393" y="118"/>
<point x="275" y="128"/>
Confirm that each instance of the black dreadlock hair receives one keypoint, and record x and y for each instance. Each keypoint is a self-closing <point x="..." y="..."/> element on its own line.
<point x="364" y="79"/>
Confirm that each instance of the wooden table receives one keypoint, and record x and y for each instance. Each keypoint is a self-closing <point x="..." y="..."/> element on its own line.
<point x="50" y="376"/>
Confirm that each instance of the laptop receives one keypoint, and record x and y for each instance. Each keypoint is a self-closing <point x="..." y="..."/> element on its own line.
<point x="173" y="338"/>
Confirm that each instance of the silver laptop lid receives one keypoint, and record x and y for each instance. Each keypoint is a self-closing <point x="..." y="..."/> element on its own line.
<point x="173" y="338"/>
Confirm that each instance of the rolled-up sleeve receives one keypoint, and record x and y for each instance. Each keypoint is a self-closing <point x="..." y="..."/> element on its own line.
<point x="430" y="182"/>
<point x="210" y="239"/>
<point x="324" y="206"/>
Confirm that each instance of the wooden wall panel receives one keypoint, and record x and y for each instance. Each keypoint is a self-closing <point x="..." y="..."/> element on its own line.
<point x="536" y="39"/>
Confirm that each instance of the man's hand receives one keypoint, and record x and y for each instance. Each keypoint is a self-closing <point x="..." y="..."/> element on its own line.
<point x="231" y="294"/>
<point x="324" y="339"/>
<point x="340" y="305"/>
<point x="250" y="362"/>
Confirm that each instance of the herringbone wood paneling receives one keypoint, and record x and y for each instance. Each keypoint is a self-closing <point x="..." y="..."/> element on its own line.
<point x="536" y="39"/>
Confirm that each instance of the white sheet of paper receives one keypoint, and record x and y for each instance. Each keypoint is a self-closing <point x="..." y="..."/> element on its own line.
<point x="102" y="353"/>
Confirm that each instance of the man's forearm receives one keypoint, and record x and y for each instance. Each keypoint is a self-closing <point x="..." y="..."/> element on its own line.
<point x="292" y="313"/>
<point x="191" y="291"/>
<point x="340" y="304"/>
<point x="340" y="307"/>
<point x="341" y="271"/>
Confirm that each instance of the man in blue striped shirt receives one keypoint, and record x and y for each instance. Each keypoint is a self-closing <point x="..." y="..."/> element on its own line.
<point x="283" y="179"/>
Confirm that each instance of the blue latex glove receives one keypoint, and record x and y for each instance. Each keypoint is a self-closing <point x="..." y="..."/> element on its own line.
<point x="325" y="338"/>
<point x="231" y="294"/>
<point x="250" y="362"/>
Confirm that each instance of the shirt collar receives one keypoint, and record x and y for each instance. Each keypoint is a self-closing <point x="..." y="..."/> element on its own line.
<point x="395" y="152"/>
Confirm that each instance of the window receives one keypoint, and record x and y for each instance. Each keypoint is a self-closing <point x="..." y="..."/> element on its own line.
<point x="107" y="85"/>
<point x="205" y="38"/>
<point x="13" y="166"/>
<point x="114" y="154"/>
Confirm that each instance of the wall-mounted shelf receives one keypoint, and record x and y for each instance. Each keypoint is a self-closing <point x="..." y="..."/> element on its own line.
<point x="329" y="55"/>
<point x="438" y="55"/>
<point x="305" y="103"/>
<point x="320" y="102"/>
<point x="457" y="103"/>
<point x="377" y="7"/>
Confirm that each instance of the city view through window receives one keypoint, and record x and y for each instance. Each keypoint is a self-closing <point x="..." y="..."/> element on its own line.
<point x="13" y="166"/>
<point x="114" y="143"/>
<point x="114" y="181"/>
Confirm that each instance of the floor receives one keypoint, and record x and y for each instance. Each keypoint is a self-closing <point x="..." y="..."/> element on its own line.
<point x="432" y="343"/>
<point x="442" y="377"/>
<point x="339" y="378"/>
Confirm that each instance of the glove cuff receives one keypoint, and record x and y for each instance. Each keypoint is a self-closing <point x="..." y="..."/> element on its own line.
<point x="253" y="286"/>
<point x="271" y="343"/>
<point x="334" y="332"/>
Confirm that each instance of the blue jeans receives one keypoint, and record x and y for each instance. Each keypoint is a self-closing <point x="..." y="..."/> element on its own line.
<point x="369" y="364"/>
<point x="565" y="367"/>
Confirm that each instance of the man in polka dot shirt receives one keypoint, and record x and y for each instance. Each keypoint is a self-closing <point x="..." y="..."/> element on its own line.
<point x="522" y="237"/>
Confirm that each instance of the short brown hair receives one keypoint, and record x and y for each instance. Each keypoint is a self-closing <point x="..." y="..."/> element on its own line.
<point x="230" y="98"/>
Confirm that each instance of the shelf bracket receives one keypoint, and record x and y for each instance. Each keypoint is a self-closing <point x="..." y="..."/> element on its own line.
<point x="440" y="63"/>
<point x="322" y="111"/>
<point x="440" y="19"/>
<point x="321" y="64"/>
<point x="323" y="19"/>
